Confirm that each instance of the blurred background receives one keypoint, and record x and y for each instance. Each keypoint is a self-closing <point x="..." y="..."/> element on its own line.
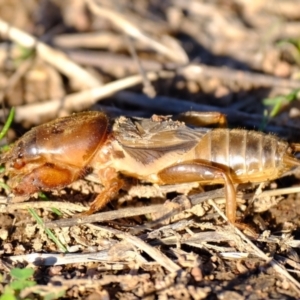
<point x="143" y="57"/>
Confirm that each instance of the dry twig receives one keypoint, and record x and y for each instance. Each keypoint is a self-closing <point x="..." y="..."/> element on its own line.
<point x="81" y="100"/>
<point x="54" y="57"/>
<point x="158" y="256"/>
<point x="129" y="212"/>
<point x="170" y="48"/>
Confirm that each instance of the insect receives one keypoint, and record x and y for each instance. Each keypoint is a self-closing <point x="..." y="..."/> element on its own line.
<point x="156" y="150"/>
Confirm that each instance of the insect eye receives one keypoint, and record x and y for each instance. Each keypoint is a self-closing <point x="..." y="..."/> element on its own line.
<point x="18" y="164"/>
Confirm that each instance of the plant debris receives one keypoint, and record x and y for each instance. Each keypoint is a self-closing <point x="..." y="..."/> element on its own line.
<point x="149" y="58"/>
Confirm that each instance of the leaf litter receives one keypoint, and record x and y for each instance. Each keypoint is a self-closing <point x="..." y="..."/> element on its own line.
<point x="170" y="242"/>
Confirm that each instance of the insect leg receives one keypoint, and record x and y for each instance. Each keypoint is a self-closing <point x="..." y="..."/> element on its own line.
<point x="295" y="147"/>
<point x="46" y="177"/>
<point x="203" y="119"/>
<point x="112" y="184"/>
<point x="202" y="170"/>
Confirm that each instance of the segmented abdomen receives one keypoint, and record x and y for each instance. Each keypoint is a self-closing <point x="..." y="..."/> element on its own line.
<point x="249" y="154"/>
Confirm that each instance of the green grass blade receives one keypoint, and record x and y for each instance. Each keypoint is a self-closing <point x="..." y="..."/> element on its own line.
<point x="47" y="230"/>
<point x="7" y="123"/>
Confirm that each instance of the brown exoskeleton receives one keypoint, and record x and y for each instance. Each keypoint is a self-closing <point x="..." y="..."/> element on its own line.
<point x="157" y="150"/>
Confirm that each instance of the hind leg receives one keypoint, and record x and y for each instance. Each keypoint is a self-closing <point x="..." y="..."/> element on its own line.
<point x="203" y="119"/>
<point x="202" y="170"/>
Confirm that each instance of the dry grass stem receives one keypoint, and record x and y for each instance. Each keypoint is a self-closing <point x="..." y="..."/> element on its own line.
<point x="63" y="206"/>
<point x="135" y="211"/>
<point x="254" y="250"/>
<point x="279" y="192"/>
<point x="22" y="69"/>
<point x="44" y="259"/>
<point x="95" y="40"/>
<point x="148" y="87"/>
<point x="105" y="216"/>
<point x="54" y="57"/>
<point x="254" y="79"/>
<point x="81" y="100"/>
<point x="156" y="255"/>
<point x="170" y="49"/>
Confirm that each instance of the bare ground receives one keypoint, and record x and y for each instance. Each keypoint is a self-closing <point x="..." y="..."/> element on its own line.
<point x="141" y="58"/>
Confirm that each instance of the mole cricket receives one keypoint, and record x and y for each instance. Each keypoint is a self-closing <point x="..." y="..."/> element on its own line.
<point x="155" y="150"/>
